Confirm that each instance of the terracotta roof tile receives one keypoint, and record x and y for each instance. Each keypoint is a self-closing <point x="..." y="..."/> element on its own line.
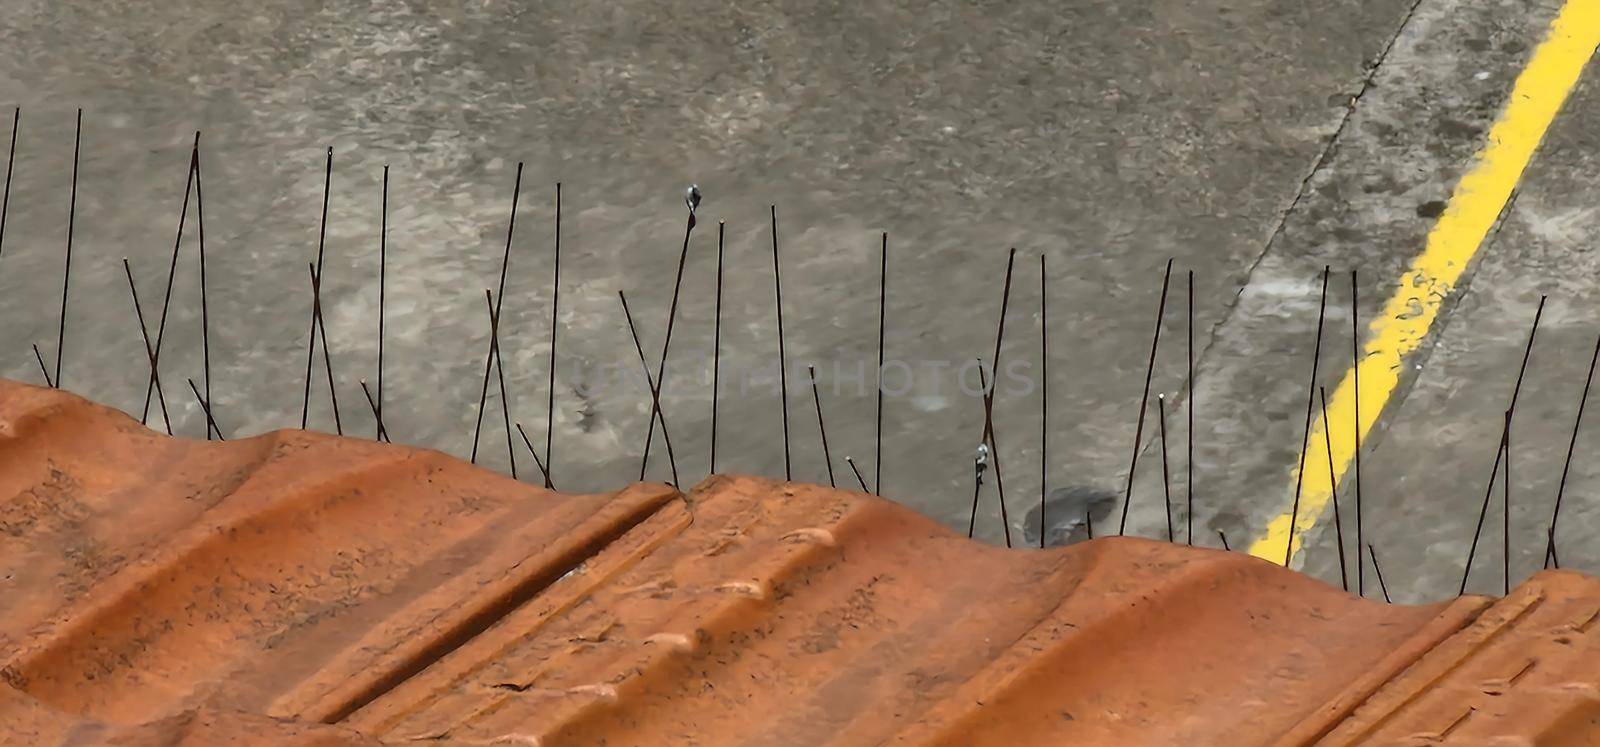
<point x="264" y="588"/>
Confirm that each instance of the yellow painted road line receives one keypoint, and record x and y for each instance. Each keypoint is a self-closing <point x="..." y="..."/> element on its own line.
<point x="1537" y="97"/>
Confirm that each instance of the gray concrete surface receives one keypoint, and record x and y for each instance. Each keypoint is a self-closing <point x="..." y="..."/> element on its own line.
<point x="1107" y="136"/>
<point x="1433" y="460"/>
<point x="1368" y="207"/>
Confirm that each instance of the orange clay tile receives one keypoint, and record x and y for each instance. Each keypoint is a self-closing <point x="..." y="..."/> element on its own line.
<point x="297" y="588"/>
<point x="23" y="721"/>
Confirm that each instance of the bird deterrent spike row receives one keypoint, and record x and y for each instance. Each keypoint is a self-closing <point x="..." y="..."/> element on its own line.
<point x="984" y="453"/>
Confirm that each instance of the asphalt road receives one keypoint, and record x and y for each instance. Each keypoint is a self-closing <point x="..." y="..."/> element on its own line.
<point x="1251" y="141"/>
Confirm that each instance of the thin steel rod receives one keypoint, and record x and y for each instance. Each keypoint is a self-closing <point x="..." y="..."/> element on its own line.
<point x="205" y="306"/>
<point x="536" y="460"/>
<point x="989" y="394"/>
<point x="149" y="351"/>
<point x="550" y="388"/>
<point x="1144" y="401"/>
<point x="859" y="478"/>
<point x="1505" y="547"/>
<point x="11" y="167"/>
<point x="1305" y="438"/>
<point x="1044" y="396"/>
<point x="372" y="403"/>
<point x="1483" y="514"/>
<point x="716" y="352"/>
<point x="327" y="357"/>
<point x="652" y="384"/>
<point x="1373" y="553"/>
<point x="1188" y="406"/>
<point x="211" y="422"/>
<point x="822" y="427"/>
<point x="500" y="297"/>
<point x="48" y="381"/>
<point x="1166" y="480"/>
<point x="994" y="448"/>
<point x="661" y="366"/>
<point x="1355" y="368"/>
<point x="883" y="307"/>
<point x="172" y="273"/>
<point x="783" y="360"/>
<point x="500" y="373"/>
<point x="66" y="277"/>
<point x="383" y="278"/>
<point x="316" y="271"/>
<point x="1572" y="446"/>
<point x="1499" y="451"/>
<point x="1333" y="490"/>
